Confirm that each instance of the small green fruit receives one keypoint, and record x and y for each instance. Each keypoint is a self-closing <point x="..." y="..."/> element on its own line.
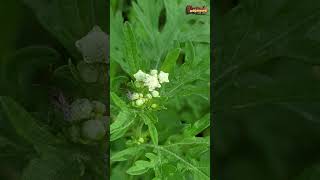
<point x="155" y="93"/>
<point x="139" y="102"/>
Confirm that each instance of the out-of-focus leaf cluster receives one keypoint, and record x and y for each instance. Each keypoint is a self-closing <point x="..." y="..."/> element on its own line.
<point x="172" y="143"/>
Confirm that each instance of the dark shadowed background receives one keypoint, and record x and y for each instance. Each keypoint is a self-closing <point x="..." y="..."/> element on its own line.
<point x="38" y="60"/>
<point x="266" y="90"/>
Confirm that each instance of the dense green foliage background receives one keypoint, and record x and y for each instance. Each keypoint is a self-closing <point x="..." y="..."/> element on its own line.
<point x="266" y="89"/>
<point x="37" y="40"/>
<point x="157" y="34"/>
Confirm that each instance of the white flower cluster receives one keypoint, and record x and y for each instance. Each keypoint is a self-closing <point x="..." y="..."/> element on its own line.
<point x="152" y="81"/>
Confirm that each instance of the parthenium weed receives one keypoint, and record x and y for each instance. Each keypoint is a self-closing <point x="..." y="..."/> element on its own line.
<point x="159" y="92"/>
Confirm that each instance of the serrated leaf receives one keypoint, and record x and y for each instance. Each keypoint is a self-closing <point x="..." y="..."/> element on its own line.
<point x="188" y="73"/>
<point x="131" y="57"/>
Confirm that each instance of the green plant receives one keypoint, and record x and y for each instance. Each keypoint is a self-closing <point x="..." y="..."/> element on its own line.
<point x="266" y="89"/>
<point x="159" y="90"/>
<point x="53" y="107"/>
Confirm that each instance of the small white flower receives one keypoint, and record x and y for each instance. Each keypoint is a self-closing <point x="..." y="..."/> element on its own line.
<point x="151" y="82"/>
<point x="135" y="96"/>
<point x="139" y="102"/>
<point x="163" y="77"/>
<point x="140" y="95"/>
<point x="140" y="76"/>
<point x="154" y="72"/>
<point x="155" y="93"/>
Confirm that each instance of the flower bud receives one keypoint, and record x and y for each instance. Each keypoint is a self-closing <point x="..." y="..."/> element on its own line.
<point x="149" y="96"/>
<point x="155" y="93"/>
<point x="139" y="102"/>
<point x="135" y="96"/>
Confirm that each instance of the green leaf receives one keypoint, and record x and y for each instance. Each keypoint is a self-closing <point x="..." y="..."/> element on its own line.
<point x="151" y="127"/>
<point x="24" y="124"/>
<point x="198" y="126"/>
<point x="124" y="154"/>
<point x="153" y="133"/>
<point x="188" y="73"/>
<point x="192" y="167"/>
<point x="121" y="125"/>
<point x="118" y="101"/>
<point x="131" y="57"/>
<point x="266" y="77"/>
<point x="53" y="167"/>
<point x="170" y="60"/>
<point x="117" y="81"/>
<point x="140" y="167"/>
<point x="69" y="20"/>
<point x="264" y="10"/>
<point x="19" y="70"/>
<point x="189" y="51"/>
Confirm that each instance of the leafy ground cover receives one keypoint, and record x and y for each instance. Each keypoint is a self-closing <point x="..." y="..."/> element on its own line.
<point x="53" y="104"/>
<point x="266" y="89"/>
<point x="160" y="74"/>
